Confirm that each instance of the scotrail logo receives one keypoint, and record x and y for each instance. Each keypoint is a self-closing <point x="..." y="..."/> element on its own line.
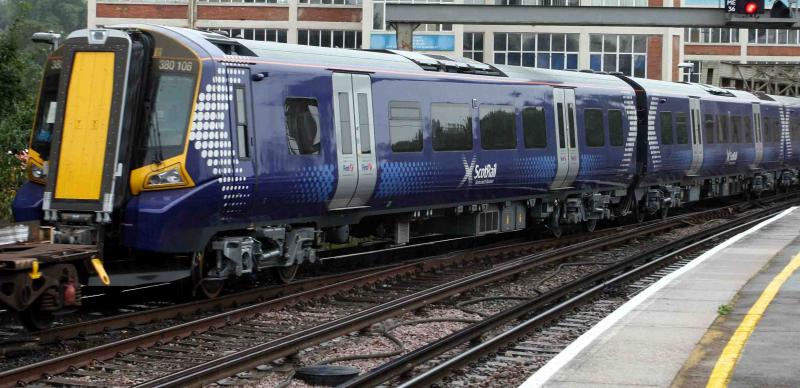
<point x="731" y="156"/>
<point x="477" y="175"/>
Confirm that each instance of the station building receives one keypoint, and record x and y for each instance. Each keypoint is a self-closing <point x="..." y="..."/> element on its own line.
<point x="729" y="57"/>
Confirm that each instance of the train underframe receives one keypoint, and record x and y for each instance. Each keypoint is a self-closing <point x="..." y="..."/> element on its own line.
<point x="50" y="283"/>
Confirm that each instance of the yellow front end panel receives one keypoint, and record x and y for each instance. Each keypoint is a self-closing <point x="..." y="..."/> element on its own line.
<point x="83" y="140"/>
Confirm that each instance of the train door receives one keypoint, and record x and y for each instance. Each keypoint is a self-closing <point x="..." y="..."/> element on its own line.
<point x="355" y="140"/>
<point x="758" y="134"/>
<point x="697" y="139"/>
<point x="566" y="138"/>
<point x="240" y="176"/>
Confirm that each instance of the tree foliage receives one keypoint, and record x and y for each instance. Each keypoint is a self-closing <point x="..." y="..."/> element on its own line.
<point x="20" y="72"/>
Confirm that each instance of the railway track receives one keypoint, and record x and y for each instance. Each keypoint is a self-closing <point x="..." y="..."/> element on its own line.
<point x="562" y="313"/>
<point x="248" y="328"/>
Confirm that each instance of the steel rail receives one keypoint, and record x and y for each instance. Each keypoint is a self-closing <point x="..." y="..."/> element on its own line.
<point x="332" y="286"/>
<point x="587" y="287"/>
<point x="251" y="357"/>
<point x="28" y="373"/>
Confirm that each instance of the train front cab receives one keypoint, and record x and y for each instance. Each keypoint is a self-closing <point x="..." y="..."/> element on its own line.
<point x="96" y="137"/>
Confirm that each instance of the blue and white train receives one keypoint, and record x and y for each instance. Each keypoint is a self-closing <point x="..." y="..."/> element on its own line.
<point x="207" y="157"/>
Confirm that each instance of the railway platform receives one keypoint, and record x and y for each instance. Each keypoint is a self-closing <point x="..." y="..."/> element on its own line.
<point x="730" y="317"/>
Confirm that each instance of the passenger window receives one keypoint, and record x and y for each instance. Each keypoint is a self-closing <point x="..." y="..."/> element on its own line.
<point x="736" y="124"/>
<point x="242" y="132"/>
<point x="451" y="125"/>
<point x="615" y="127"/>
<point x="562" y="139"/>
<point x="767" y="122"/>
<point x="667" y="137"/>
<point x="681" y="128"/>
<point x="571" y="118"/>
<point x="748" y="129"/>
<point x="735" y="138"/>
<point x="498" y="127"/>
<point x="722" y="132"/>
<point x="344" y="123"/>
<point x="593" y="123"/>
<point x="534" y="127"/>
<point x="405" y="126"/>
<point x="709" y="129"/>
<point x="365" y="140"/>
<point x="302" y="126"/>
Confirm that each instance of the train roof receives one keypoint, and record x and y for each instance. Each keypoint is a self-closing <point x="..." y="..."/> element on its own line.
<point x="404" y="61"/>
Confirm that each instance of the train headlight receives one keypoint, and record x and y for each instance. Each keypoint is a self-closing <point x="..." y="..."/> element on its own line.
<point x="169" y="177"/>
<point x="37" y="173"/>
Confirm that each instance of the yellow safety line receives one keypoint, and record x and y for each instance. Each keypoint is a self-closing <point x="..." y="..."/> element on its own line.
<point x="723" y="370"/>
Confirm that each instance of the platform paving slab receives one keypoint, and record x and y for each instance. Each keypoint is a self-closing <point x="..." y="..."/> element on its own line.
<point x="649" y="348"/>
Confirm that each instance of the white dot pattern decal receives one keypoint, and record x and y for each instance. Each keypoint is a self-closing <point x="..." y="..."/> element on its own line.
<point x="210" y="136"/>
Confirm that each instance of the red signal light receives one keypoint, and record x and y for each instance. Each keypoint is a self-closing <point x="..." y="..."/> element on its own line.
<point x="751" y="8"/>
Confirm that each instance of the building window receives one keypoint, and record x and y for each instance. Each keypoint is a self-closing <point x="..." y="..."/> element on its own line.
<point x="552" y="3"/>
<point x="330" y="38"/>
<point x="547" y="51"/>
<point x="260" y="34"/>
<point x="773" y="37"/>
<point x="473" y="46"/>
<point x="711" y="35"/>
<point x="620" y="3"/>
<point x="224" y="1"/>
<point x="626" y="54"/>
<point x="379" y="15"/>
<point x="331" y="2"/>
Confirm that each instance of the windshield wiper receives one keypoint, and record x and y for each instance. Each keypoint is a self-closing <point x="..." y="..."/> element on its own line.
<point x="155" y="136"/>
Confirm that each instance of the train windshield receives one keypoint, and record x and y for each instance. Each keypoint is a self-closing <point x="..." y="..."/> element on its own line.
<point x="46" y="114"/>
<point x="169" y="119"/>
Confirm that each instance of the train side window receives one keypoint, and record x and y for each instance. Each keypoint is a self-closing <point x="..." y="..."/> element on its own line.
<point x="302" y="126"/>
<point x="709" y="130"/>
<point x="746" y="135"/>
<point x="451" y="125"/>
<point x="615" y="127"/>
<point x="365" y="142"/>
<point x="534" y="127"/>
<point x="681" y="128"/>
<point x="767" y="127"/>
<point x="794" y="124"/>
<point x="593" y="124"/>
<point x="748" y="128"/>
<point x="498" y="127"/>
<point x="571" y="118"/>
<point x="667" y="137"/>
<point x="735" y="136"/>
<point x="344" y="123"/>
<point x="562" y="135"/>
<point x="724" y="136"/>
<point x="405" y="126"/>
<point x="242" y="130"/>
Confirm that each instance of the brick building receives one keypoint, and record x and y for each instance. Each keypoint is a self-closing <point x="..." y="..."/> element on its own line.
<point x="647" y="52"/>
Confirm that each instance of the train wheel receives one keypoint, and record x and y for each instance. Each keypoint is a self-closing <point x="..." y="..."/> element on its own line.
<point x="638" y="213"/>
<point x="286" y="275"/>
<point x="590" y="225"/>
<point x="34" y="319"/>
<point x="206" y="288"/>
<point x="555" y="222"/>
